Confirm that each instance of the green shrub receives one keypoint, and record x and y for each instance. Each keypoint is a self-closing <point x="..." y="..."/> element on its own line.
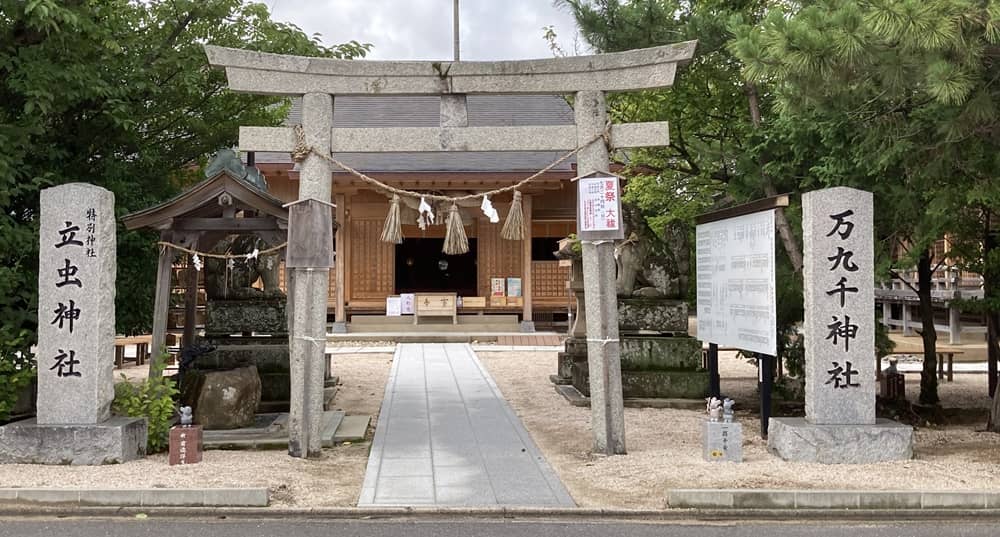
<point x="17" y="370"/>
<point x="13" y="378"/>
<point x="152" y="399"/>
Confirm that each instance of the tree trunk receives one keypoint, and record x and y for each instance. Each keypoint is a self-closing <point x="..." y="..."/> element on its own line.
<point x="993" y="425"/>
<point x="928" y="377"/>
<point x="990" y="289"/>
<point x="788" y="239"/>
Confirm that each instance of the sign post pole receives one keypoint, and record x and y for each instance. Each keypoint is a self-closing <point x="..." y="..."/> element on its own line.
<point x="714" y="389"/>
<point x="765" y="367"/>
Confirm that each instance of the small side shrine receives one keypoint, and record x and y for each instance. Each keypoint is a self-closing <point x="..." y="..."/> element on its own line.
<point x="233" y="234"/>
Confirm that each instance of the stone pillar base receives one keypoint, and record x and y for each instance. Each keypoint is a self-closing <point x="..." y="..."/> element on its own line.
<point x="527" y="326"/>
<point x="114" y="441"/>
<point x="338" y="328"/>
<point x="795" y="439"/>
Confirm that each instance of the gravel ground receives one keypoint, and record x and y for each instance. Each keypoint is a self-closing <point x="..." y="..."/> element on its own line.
<point x="664" y="445"/>
<point x="332" y="480"/>
<point x="664" y="448"/>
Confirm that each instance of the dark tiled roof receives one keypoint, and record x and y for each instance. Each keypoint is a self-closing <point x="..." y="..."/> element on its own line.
<point x="424" y="111"/>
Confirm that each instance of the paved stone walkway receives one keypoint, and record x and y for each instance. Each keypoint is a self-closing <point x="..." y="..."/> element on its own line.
<point x="446" y="437"/>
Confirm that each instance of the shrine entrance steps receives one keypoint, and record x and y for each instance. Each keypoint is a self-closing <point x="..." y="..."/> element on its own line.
<point x="446" y="437"/>
<point x="466" y="323"/>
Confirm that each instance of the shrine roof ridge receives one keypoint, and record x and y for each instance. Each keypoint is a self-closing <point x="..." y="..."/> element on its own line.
<point x="204" y="194"/>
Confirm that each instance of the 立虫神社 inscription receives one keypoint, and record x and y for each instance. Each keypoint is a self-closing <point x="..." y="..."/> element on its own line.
<point x="76" y="331"/>
<point x="76" y="288"/>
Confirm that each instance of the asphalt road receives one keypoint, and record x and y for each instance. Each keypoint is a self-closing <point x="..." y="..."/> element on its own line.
<point x="129" y="527"/>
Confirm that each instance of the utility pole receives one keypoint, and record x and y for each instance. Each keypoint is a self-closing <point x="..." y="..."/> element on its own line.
<point x="455" y="31"/>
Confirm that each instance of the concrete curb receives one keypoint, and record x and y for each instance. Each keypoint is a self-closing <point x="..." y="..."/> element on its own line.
<point x="244" y="497"/>
<point x="832" y="499"/>
<point x="685" y="504"/>
<point x="496" y="513"/>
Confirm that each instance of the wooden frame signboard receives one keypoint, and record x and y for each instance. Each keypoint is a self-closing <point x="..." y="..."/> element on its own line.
<point x="435" y="305"/>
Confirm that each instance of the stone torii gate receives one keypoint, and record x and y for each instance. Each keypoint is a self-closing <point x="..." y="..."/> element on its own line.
<point x="318" y="80"/>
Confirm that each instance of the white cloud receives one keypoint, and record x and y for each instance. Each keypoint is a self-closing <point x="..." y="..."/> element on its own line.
<point x="422" y="29"/>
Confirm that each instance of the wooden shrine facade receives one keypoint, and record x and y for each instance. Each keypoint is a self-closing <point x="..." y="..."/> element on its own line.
<point x="372" y="267"/>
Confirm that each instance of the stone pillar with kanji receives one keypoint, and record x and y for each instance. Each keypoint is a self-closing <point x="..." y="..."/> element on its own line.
<point x="840" y="425"/>
<point x="76" y="331"/>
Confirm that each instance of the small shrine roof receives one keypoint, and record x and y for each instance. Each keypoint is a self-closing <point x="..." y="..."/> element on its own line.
<point x="206" y="200"/>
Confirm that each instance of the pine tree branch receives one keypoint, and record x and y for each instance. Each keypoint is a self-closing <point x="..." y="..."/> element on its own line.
<point x="898" y="276"/>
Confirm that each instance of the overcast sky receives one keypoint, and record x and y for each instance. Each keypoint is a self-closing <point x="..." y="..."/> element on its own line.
<point x="422" y="29"/>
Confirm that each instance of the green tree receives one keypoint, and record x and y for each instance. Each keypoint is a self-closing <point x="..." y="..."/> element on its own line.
<point x="721" y="147"/>
<point x="118" y="93"/>
<point x="893" y="96"/>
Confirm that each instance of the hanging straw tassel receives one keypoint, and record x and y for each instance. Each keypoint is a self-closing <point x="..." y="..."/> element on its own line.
<point x="455" y="241"/>
<point x="392" y="230"/>
<point x="513" y="228"/>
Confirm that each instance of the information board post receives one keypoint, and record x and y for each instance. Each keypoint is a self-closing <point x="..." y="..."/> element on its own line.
<point x="765" y="378"/>
<point x="714" y="388"/>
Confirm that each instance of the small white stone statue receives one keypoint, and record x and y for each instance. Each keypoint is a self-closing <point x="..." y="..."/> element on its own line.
<point x="727" y="410"/>
<point x="714" y="408"/>
<point x="186" y="417"/>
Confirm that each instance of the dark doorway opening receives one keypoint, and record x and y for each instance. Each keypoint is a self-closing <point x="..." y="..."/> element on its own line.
<point x="422" y="267"/>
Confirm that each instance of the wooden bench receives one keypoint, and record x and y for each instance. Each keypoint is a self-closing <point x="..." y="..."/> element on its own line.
<point x="950" y="355"/>
<point x="945" y="363"/>
<point x="141" y="349"/>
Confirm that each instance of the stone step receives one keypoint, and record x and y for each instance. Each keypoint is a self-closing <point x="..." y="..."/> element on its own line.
<point x="486" y="328"/>
<point x="406" y="337"/>
<point x="271" y="433"/>
<point x="509" y="320"/>
<point x="352" y="429"/>
<point x="332" y="420"/>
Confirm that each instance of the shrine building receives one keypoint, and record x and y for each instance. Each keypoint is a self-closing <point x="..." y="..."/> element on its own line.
<point x="374" y="270"/>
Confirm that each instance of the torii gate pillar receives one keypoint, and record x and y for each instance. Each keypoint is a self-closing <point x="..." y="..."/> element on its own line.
<point x="607" y="413"/>
<point x="307" y="292"/>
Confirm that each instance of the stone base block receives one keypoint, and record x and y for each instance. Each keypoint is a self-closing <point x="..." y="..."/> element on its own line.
<point x="658" y="353"/>
<point x="271" y="361"/>
<point x="722" y="441"/>
<point x="795" y="439"/>
<point x="264" y="315"/>
<point x="649" y="384"/>
<point x="114" y="441"/>
<point x="652" y="314"/>
<point x="267" y="358"/>
<point x="665" y="384"/>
